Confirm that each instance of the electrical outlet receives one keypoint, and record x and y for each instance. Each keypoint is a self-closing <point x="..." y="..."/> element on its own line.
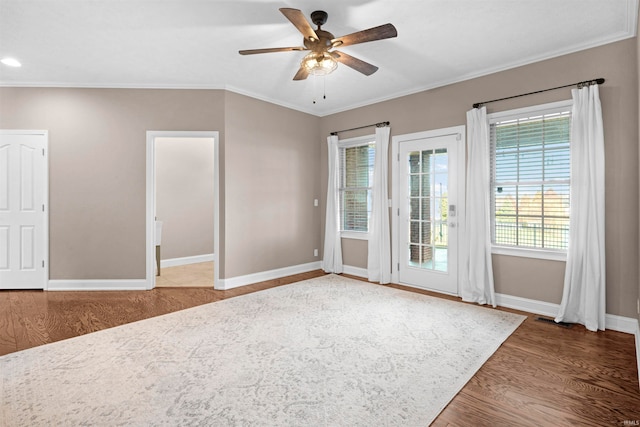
<point x="315" y="252"/>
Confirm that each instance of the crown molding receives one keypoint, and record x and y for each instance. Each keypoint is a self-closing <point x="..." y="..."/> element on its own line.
<point x="71" y="85"/>
<point x="629" y="32"/>
<point x="493" y="70"/>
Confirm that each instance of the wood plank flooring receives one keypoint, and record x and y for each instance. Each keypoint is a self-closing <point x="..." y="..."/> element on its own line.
<point x="543" y="375"/>
<point x="547" y="375"/>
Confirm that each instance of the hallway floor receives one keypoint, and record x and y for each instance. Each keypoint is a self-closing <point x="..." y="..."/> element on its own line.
<point x="198" y="275"/>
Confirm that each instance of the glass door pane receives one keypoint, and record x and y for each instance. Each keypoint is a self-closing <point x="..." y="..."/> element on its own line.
<point x="429" y="207"/>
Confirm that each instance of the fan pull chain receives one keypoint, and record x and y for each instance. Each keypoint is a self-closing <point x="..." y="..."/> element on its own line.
<point x="315" y="87"/>
<point x="324" y="88"/>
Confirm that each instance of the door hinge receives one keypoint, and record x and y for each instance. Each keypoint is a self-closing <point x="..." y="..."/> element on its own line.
<point x="42" y="263"/>
<point x="458" y="137"/>
<point x="398" y="156"/>
<point x="398" y="211"/>
<point x="42" y="208"/>
<point x="398" y="266"/>
<point x="43" y="151"/>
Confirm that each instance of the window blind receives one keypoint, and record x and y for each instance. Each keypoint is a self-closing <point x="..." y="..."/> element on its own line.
<point x="530" y="171"/>
<point x="356" y="177"/>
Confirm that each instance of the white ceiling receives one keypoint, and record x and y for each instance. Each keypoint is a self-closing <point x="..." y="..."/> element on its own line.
<point x="195" y="43"/>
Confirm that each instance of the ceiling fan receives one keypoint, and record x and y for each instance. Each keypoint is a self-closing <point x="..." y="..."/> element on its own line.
<point x="323" y="59"/>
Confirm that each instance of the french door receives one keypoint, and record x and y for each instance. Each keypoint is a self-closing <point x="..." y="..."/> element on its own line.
<point x="428" y="212"/>
<point x="23" y="210"/>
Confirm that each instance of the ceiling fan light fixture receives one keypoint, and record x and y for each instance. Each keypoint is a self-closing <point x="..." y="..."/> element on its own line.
<point x="319" y="64"/>
<point x="322" y="59"/>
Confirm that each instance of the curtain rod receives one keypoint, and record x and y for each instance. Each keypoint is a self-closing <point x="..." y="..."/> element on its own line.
<point x="579" y="84"/>
<point x="378" y="125"/>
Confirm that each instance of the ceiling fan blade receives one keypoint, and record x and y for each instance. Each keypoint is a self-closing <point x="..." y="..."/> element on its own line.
<point x="385" y="31"/>
<point x="297" y="18"/>
<point x="355" y="63"/>
<point x="270" y="50"/>
<point x="302" y="74"/>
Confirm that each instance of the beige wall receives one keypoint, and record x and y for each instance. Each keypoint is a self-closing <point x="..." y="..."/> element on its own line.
<point x="268" y="175"/>
<point x="638" y="120"/>
<point x="272" y="174"/>
<point x="273" y="164"/>
<point x="447" y="106"/>
<point x="184" y="195"/>
<point x="97" y="166"/>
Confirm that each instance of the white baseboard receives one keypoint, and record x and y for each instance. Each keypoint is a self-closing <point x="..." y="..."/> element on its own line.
<point x="234" y="282"/>
<point x="174" y="262"/>
<point x="141" y="284"/>
<point x="638" y="349"/>
<point x="612" y="321"/>
<point x="355" y="271"/>
<point x="98" y="285"/>
<point x="620" y="324"/>
<point x="528" y="305"/>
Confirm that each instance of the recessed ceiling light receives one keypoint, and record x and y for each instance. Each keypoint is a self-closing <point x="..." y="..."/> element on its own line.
<point x="11" y="62"/>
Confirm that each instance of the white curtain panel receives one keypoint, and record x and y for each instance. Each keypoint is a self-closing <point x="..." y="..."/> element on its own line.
<point x="332" y="256"/>
<point x="476" y="284"/>
<point x="379" y="257"/>
<point x="583" y="299"/>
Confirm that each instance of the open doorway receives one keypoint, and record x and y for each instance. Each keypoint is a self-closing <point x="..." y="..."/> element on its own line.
<point x="182" y="208"/>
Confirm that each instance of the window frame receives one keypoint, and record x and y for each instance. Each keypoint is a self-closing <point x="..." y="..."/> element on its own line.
<point x="350" y="143"/>
<point x="492" y="118"/>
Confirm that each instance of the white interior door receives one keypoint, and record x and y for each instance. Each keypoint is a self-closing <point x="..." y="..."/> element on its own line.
<point x="23" y="219"/>
<point x="428" y="213"/>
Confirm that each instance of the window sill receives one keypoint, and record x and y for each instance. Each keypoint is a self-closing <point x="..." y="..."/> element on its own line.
<point x="530" y="253"/>
<point x="357" y="235"/>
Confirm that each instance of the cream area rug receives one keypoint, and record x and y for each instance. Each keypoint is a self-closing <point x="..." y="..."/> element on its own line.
<point x="329" y="351"/>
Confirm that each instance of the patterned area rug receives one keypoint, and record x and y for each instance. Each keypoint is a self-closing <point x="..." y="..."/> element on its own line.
<point x="329" y="351"/>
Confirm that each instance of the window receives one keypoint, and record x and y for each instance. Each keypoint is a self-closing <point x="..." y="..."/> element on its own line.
<point x="530" y="178"/>
<point x="357" y="157"/>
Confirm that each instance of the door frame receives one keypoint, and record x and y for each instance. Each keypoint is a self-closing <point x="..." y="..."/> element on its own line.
<point x="45" y="197"/>
<point x="396" y="140"/>
<point x="151" y="199"/>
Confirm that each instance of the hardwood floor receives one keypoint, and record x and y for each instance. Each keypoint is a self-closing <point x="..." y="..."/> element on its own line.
<point x="543" y="375"/>
<point x="547" y="375"/>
